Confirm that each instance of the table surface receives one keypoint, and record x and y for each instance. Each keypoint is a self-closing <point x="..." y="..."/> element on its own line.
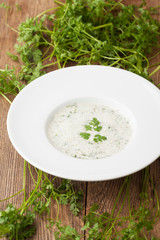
<point x="11" y="164"/>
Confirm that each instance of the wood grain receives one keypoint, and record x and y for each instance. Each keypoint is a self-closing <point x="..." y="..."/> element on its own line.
<point x="11" y="164"/>
<point x="104" y="193"/>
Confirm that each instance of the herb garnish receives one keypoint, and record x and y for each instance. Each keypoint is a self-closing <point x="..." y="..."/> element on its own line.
<point x="99" y="138"/>
<point x="85" y="135"/>
<point x="93" y="125"/>
<point x="88" y="128"/>
<point x="94" y="122"/>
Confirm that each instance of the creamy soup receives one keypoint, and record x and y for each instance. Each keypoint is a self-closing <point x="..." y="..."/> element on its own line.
<point x="88" y="130"/>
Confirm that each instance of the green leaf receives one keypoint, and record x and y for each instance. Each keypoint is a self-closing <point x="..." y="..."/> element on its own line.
<point x="15" y="225"/>
<point x="87" y="127"/>
<point x="13" y="57"/>
<point x="85" y="135"/>
<point x="94" y="122"/>
<point x="99" y="138"/>
<point x="98" y="128"/>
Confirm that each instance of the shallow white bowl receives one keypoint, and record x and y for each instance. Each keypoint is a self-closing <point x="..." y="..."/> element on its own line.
<point x="137" y="97"/>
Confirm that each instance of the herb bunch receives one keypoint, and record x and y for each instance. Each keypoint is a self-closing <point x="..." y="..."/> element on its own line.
<point x="98" y="226"/>
<point x="19" y="223"/>
<point x="15" y="225"/>
<point x="84" y="32"/>
<point x="111" y="226"/>
<point x="63" y="194"/>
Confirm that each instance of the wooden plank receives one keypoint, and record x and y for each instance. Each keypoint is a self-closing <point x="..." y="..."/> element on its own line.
<point x="104" y="193"/>
<point x="155" y="167"/>
<point x="155" y="174"/>
<point x="11" y="164"/>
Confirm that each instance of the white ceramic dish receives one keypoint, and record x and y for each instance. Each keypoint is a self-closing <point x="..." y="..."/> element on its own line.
<point x="135" y="96"/>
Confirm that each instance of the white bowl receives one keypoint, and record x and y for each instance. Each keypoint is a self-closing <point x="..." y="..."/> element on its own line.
<point x="137" y="97"/>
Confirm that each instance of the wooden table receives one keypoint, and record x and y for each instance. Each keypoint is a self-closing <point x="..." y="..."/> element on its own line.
<point x="11" y="164"/>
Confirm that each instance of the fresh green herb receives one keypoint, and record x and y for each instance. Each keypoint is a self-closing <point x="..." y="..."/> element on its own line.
<point x="15" y="225"/>
<point x="12" y="56"/>
<point x="98" y="128"/>
<point x="19" y="223"/>
<point x="98" y="226"/>
<point x="66" y="232"/>
<point x="9" y="81"/>
<point x="99" y="138"/>
<point x="94" y="124"/>
<point x="85" y="135"/>
<point x="88" y="128"/>
<point x="87" y="32"/>
<point x="63" y="194"/>
<point x="137" y="225"/>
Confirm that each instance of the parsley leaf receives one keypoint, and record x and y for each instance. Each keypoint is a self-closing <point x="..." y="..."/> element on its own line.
<point x="9" y="82"/>
<point x="99" y="138"/>
<point x="85" y="135"/>
<point x="15" y="225"/>
<point x="94" y="122"/>
<point x="87" y="127"/>
<point x="98" y="128"/>
<point x="64" y="194"/>
<point x="13" y="57"/>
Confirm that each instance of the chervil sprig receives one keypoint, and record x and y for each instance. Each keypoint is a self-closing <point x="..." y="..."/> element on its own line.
<point x="93" y="125"/>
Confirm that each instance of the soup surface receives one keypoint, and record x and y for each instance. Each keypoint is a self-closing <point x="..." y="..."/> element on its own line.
<point x="89" y="130"/>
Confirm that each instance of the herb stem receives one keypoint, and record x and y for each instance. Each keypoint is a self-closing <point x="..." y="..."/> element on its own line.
<point x="14" y="30"/>
<point x="154" y="65"/>
<point x="157" y="199"/>
<point x="50" y="64"/>
<point x="155" y="55"/>
<point x="29" y="167"/>
<point x="57" y="216"/>
<point x="128" y="193"/>
<point x="90" y="36"/>
<point x="6" y="98"/>
<point x="113" y="224"/>
<point x="24" y="181"/>
<point x="145" y="182"/>
<point x="103" y="26"/>
<point x="11" y="196"/>
<point x="154" y="71"/>
<point x="118" y="196"/>
<point x="58" y="2"/>
<point x="24" y="205"/>
<point x="46" y="11"/>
